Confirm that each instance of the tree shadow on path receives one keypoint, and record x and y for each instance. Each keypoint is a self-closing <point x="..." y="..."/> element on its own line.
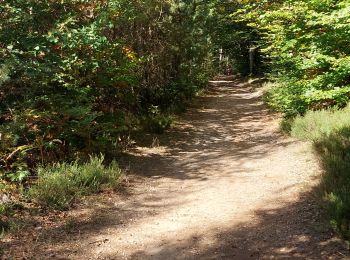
<point x="298" y="230"/>
<point x="227" y="137"/>
<point x="228" y="123"/>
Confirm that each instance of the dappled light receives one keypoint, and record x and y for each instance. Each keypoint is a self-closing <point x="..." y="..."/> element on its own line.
<point x="182" y="129"/>
<point x="230" y="134"/>
<point x="224" y="183"/>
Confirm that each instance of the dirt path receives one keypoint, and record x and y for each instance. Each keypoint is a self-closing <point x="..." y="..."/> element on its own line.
<point x="223" y="184"/>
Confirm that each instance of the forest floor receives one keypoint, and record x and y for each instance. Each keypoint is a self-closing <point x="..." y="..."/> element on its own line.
<point x="223" y="183"/>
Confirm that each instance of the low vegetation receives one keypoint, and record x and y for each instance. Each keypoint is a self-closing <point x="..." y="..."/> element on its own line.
<point x="58" y="186"/>
<point x="329" y="131"/>
<point x="78" y="77"/>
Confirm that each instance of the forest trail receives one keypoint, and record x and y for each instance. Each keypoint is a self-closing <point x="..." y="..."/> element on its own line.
<point x="224" y="183"/>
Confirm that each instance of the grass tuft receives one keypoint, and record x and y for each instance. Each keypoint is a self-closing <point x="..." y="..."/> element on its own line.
<point x="58" y="186"/>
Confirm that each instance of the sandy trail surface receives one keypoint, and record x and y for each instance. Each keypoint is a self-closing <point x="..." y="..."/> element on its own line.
<point x="224" y="183"/>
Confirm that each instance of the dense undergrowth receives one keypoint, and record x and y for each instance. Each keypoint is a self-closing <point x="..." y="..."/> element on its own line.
<point x="77" y="77"/>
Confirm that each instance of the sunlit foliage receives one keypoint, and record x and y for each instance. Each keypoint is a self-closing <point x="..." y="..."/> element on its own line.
<point x="76" y="76"/>
<point x="308" y="46"/>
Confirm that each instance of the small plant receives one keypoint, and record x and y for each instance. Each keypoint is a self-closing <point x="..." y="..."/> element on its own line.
<point x="4" y="225"/>
<point x="156" y="121"/>
<point x="60" y="185"/>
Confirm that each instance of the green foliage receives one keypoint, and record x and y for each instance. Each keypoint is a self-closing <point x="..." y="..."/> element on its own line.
<point x="9" y="221"/>
<point x="307" y="45"/>
<point x="4" y="223"/>
<point x="329" y="130"/>
<point x="58" y="186"/>
<point x="157" y="122"/>
<point x="235" y="37"/>
<point x="77" y="76"/>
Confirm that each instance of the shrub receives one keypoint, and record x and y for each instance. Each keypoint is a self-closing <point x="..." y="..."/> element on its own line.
<point x="306" y="48"/>
<point x="58" y="186"/>
<point x="157" y="122"/>
<point x="4" y="211"/>
<point x="329" y="130"/>
<point x="80" y="81"/>
<point x="316" y="125"/>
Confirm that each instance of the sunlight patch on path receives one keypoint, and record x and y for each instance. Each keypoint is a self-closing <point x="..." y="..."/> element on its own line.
<point x="224" y="183"/>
